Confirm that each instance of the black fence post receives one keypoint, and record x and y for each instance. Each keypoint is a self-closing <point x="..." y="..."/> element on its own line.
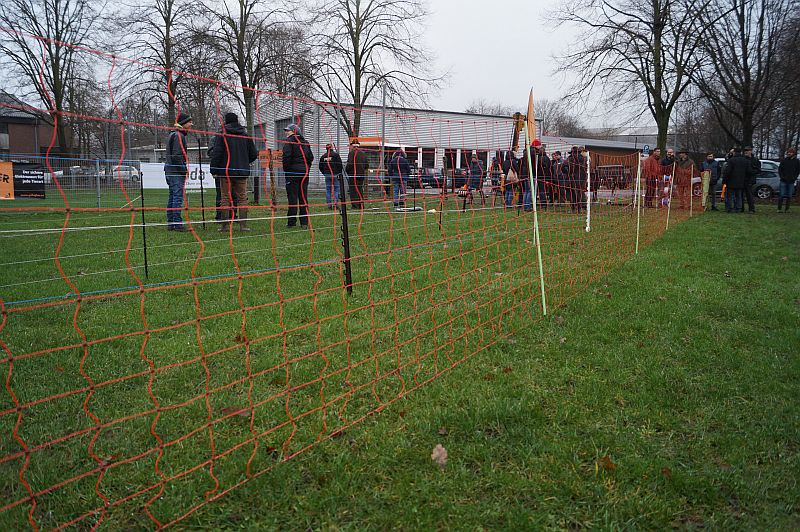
<point x="144" y="228"/>
<point x="348" y="276"/>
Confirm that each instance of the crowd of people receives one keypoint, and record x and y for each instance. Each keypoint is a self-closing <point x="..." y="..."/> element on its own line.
<point x="558" y="179"/>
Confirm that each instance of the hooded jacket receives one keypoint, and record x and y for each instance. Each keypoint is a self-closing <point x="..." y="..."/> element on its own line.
<point x="232" y="140"/>
<point x="297" y="157"/>
<point x="398" y="166"/>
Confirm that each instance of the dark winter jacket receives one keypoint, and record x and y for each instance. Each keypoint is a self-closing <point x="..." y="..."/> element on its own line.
<point x="399" y="167"/>
<point x="232" y="140"/>
<point x="175" y="157"/>
<point x="713" y="167"/>
<point x="737" y="172"/>
<point x="357" y="164"/>
<point x="576" y="169"/>
<point x="755" y="163"/>
<point x="297" y="157"/>
<point x="330" y="163"/>
<point x="476" y="173"/>
<point x="789" y="169"/>
<point x="558" y="171"/>
<point x="667" y="161"/>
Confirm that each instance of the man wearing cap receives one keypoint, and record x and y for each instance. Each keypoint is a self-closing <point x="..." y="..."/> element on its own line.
<point x="297" y="158"/>
<point x="231" y="153"/>
<point x="176" y="170"/>
<point x="330" y="165"/>
<point x="356" y="168"/>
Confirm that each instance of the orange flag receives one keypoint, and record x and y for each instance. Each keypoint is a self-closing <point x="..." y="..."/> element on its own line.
<point x="531" y="119"/>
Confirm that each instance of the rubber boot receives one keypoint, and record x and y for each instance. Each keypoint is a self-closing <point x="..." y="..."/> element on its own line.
<point x="780" y="204"/>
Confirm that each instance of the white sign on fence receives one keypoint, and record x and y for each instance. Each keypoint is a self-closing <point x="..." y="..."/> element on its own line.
<point x="153" y="176"/>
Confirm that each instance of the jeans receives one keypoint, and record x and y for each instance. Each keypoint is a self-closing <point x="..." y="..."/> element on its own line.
<point x="399" y="186"/>
<point x="786" y="190"/>
<point x="176" y="184"/>
<point x="508" y="194"/>
<point x="297" y="193"/>
<point x="733" y="199"/>
<point x="331" y="190"/>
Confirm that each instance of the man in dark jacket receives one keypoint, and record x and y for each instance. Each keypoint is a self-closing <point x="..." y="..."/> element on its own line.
<point x="558" y="173"/>
<point x="736" y="175"/>
<point x="231" y="153"/>
<point x="399" y="172"/>
<point x="577" y="172"/>
<point x="176" y="171"/>
<point x="748" y="189"/>
<point x="510" y="172"/>
<point x="712" y="166"/>
<point x="356" y="169"/>
<point x="668" y="160"/>
<point x="330" y="165"/>
<point x="788" y="171"/>
<point x="476" y="173"/>
<point x="297" y="159"/>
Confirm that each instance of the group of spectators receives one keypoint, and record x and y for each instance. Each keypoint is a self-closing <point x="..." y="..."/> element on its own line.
<point x="558" y="179"/>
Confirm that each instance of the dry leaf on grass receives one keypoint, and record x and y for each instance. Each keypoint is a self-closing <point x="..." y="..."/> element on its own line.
<point x="443" y="431"/>
<point x="667" y="472"/>
<point x="439" y="455"/>
<point x="606" y="464"/>
<point x="507" y="370"/>
<point x="562" y="340"/>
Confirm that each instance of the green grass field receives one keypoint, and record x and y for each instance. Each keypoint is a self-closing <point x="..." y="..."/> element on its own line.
<point x="162" y="398"/>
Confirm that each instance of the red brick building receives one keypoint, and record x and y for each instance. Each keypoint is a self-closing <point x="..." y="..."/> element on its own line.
<point x="21" y="132"/>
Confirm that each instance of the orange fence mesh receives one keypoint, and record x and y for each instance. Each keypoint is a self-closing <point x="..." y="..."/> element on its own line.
<point x="150" y="372"/>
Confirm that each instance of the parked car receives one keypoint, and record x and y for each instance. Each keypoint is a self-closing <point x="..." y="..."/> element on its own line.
<point x="766" y="187"/>
<point x="125" y="172"/>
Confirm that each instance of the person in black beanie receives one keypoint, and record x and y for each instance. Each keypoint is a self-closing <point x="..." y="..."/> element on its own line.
<point x="231" y="153"/>
<point x="176" y="170"/>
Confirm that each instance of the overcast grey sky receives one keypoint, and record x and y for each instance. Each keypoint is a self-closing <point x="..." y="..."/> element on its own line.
<point x="494" y="50"/>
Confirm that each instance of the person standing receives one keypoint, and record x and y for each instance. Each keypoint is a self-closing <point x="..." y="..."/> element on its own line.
<point x="684" y="172"/>
<point x="231" y="153"/>
<point x="788" y="170"/>
<point x="399" y="172"/>
<point x="651" y="168"/>
<point x="542" y="172"/>
<point x="330" y="165"/>
<point x="558" y="173"/>
<point x="669" y="159"/>
<point x="176" y="170"/>
<point x="511" y="179"/>
<point x="356" y="169"/>
<point x="755" y="163"/>
<point x="712" y="166"/>
<point x="577" y="172"/>
<point x="297" y="159"/>
<point x="736" y="175"/>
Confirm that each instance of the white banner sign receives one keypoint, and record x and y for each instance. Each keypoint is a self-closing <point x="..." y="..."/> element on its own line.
<point x="153" y="176"/>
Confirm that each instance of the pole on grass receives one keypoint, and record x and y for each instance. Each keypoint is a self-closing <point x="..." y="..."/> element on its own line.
<point x="144" y="227"/>
<point x="638" y="198"/>
<point x="588" y="191"/>
<point x="691" y="191"/>
<point x="535" y="224"/>
<point x="97" y="180"/>
<point x="669" y="203"/>
<point x="200" y="175"/>
<point x="348" y="276"/>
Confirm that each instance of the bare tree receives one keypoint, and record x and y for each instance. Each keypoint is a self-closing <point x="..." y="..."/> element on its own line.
<point x="483" y="107"/>
<point x="634" y="51"/>
<point x="740" y="76"/>
<point x="157" y="32"/>
<point x="558" y="120"/>
<point x="242" y="36"/>
<point x="39" y="39"/>
<point x="363" y="46"/>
